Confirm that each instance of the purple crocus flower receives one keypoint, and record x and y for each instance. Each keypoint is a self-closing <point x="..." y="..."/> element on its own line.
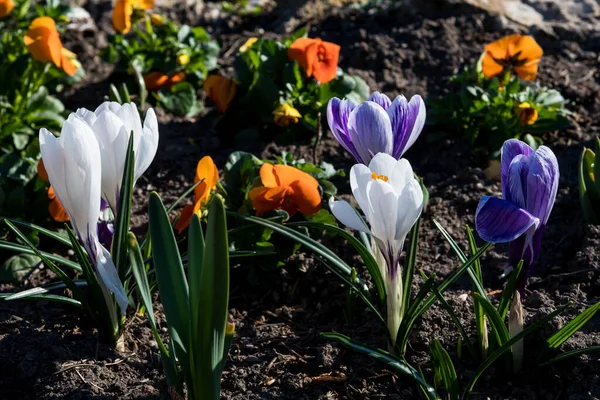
<point x="377" y="125"/>
<point x="529" y="186"/>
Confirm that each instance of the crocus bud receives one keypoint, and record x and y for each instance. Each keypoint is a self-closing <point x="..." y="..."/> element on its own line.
<point x="74" y="169"/>
<point x="112" y="124"/>
<point x="515" y="326"/>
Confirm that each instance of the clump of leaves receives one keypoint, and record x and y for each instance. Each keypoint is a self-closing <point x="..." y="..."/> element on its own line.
<point x="166" y="58"/>
<point x="275" y="95"/>
<point x="487" y="112"/>
<point x="26" y="105"/>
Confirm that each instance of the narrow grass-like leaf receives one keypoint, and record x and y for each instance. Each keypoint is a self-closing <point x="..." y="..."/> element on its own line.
<point x="172" y="283"/>
<point x="411" y="315"/>
<point x="408" y="271"/>
<point x="572" y="353"/>
<point x="139" y="273"/>
<point x="507" y="346"/>
<point x="213" y="299"/>
<point x="454" y="318"/>
<point x="48" y="297"/>
<point x="480" y="320"/>
<point x="573" y="326"/>
<point x="114" y="94"/>
<point x="363" y="251"/>
<point x="496" y="322"/>
<point x="427" y="303"/>
<point x="19" y="248"/>
<point x="53" y="267"/>
<point x="183" y="196"/>
<point x="99" y="303"/>
<point x="310" y="244"/>
<point x="509" y="290"/>
<point x="42" y="290"/>
<point x="397" y="364"/>
<point x="444" y="369"/>
<point x="47" y="232"/>
<point x="119" y="243"/>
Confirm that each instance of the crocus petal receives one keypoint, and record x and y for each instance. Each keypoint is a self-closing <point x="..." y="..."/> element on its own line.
<point x="510" y="149"/>
<point x="111" y="135"/>
<point x="347" y="215"/>
<point x="338" y="113"/>
<point x="370" y="130"/>
<point x="108" y="274"/>
<point x="542" y="183"/>
<point x="360" y="176"/>
<point x="407" y="119"/>
<point x="410" y="206"/>
<point x="499" y="221"/>
<point x="380" y="99"/>
<point x="384" y="203"/>
<point x="148" y="144"/>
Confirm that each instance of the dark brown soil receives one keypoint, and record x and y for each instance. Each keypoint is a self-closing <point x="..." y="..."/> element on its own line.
<point x="48" y="352"/>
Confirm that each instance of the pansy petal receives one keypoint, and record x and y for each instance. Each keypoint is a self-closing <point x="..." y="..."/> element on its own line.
<point x="347" y="215"/>
<point x="306" y="197"/>
<point x="499" y="221"/>
<point x="370" y="130"/>
<point x="527" y="48"/>
<point x="542" y="183"/>
<point x="380" y="99"/>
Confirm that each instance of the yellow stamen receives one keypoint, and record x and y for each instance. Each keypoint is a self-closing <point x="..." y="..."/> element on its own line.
<point x="382" y="177"/>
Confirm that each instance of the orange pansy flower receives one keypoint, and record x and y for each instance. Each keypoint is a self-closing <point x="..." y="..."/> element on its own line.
<point x="526" y="113"/>
<point x="207" y="172"/>
<point x="286" y="188"/>
<point x="124" y="10"/>
<point x="55" y="208"/>
<point x="156" y="80"/>
<point x="6" y="6"/>
<point x="220" y="90"/>
<point x="43" y="42"/>
<point x="316" y="57"/>
<point x="518" y="54"/>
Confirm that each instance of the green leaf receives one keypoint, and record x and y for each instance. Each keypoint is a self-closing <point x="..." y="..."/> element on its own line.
<point x="170" y="276"/>
<point x="119" y="243"/>
<point x="444" y="369"/>
<point x="572" y="327"/>
<point x="17" y="267"/>
<point x="506" y="347"/>
<point x="43" y="290"/>
<point x="572" y="353"/>
<point x="19" y="248"/>
<point x="139" y="272"/>
<point x="497" y="323"/>
<point x="408" y="272"/>
<point x="363" y="251"/>
<point x="212" y="272"/>
<point x="509" y="290"/>
<point x="588" y="193"/>
<point x="397" y="364"/>
<point x="47" y="232"/>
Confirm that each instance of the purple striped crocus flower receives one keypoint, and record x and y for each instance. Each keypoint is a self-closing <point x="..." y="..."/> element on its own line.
<point x="529" y="186"/>
<point x="377" y="125"/>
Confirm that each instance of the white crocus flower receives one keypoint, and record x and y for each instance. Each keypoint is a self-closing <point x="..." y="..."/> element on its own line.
<point x="392" y="200"/>
<point x="112" y="124"/>
<point x="74" y="170"/>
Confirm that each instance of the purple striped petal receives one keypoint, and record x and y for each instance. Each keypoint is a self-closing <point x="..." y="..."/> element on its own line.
<point x="370" y="131"/>
<point x="542" y="183"/>
<point x="408" y="119"/>
<point x="381" y="99"/>
<point x="515" y="183"/>
<point x="499" y="221"/>
<point x="338" y="113"/>
<point x="510" y="149"/>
